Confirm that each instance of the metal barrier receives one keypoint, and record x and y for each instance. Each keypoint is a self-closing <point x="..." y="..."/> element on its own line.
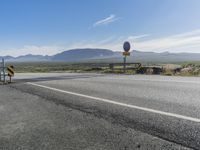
<point x="136" y="65"/>
<point x="6" y="72"/>
<point x="2" y="71"/>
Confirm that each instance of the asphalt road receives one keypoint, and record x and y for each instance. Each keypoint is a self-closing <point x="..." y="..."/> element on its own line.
<point x="96" y="111"/>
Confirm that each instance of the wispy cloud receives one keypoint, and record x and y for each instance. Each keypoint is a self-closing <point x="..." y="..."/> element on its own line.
<point x="32" y="49"/>
<point x="137" y="37"/>
<point x="112" y="42"/>
<point x="183" y="42"/>
<point x="112" y="18"/>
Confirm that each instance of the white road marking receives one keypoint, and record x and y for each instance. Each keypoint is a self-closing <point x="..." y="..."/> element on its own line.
<point x="155" y="80"/>
<point x="120" y="104"/>
<point x="134" y="78"/>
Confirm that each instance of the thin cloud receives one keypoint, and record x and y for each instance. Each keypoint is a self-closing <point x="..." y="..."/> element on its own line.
<point x="112" y="18"/>
<point x="32" y="49"/>
<point x="106" y="40"/>
<point x="112" y="42"/>
<point x="184" y="42"/>
<point x="132" y="38"/>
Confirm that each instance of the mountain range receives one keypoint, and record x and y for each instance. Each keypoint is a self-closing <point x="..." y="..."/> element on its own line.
<point x="105" y="55"/>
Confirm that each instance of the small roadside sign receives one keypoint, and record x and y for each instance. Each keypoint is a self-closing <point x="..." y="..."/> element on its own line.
<point x="127" y="46"/>
<point x="11" y="71"/>
<point x="126" y="53"/>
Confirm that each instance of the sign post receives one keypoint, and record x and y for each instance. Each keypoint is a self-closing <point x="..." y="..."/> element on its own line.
<point x="11" y="72"/>
<point x="124" y="64"/>
<point x="127" y="47"/>
<point x="1" y="65"/>
<point x="6" y="71"/>
<point x="4" y="74"/>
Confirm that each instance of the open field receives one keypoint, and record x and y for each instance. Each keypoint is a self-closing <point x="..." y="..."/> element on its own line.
<point x="21" y="67"/>
<point x="182" y="69"/>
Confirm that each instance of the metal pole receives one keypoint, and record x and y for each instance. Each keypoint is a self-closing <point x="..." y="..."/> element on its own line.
<point x="0" y="70"/>
<point x="124" y="64"/>
<point x="4" y="74"/>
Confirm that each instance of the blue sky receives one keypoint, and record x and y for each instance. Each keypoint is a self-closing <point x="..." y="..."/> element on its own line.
<point x="51" y="26"/>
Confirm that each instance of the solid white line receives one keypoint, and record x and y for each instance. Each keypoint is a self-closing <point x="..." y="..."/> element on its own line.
<point x="154" y="80"/>
<point x="120" y="104"/>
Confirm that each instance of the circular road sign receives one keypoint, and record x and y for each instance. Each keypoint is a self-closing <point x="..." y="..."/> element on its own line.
<point x="127" y="46"/>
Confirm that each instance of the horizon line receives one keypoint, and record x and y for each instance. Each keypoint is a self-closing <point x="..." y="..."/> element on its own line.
<point x="99" y="49"/>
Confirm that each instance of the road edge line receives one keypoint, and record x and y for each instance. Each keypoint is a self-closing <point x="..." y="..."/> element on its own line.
<point x="119" y="103"/>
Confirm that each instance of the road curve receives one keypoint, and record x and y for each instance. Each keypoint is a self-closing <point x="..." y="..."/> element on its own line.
<point x="166" y="107"/>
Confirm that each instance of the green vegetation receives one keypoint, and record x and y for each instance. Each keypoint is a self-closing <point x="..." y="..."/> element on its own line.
<point x="21" y="67"/>
<point x="182" y="69"/>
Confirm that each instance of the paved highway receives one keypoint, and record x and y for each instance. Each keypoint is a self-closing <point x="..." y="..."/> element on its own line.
<point x="106" y="111"/>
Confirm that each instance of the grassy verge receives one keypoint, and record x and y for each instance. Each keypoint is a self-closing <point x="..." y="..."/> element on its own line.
<point x="182" y="69"/>
<point x="22" y="67"/>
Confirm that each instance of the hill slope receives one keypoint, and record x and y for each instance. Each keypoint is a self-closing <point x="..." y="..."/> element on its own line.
<point x="82" y="54"/>
<point x="104" y="55"/>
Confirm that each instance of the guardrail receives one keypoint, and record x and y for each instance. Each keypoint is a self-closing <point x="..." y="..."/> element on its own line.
<point x="2" y="71"/>
<point x="6" y="72"/>
<point x="134" y="65"/>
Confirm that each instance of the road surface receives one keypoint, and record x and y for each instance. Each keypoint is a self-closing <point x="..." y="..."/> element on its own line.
<point x="98" y="111"/>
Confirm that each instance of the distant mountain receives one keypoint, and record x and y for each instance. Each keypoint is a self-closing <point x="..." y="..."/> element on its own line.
<point x="105" y="55"/>
<point x="152" y="57"/>
<point x="82" y="54"/>
<point x="6" y="57"/>
<point x="27" y="58"/>
<point x="31" y="57"/>
<point x="163" y="57"/>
